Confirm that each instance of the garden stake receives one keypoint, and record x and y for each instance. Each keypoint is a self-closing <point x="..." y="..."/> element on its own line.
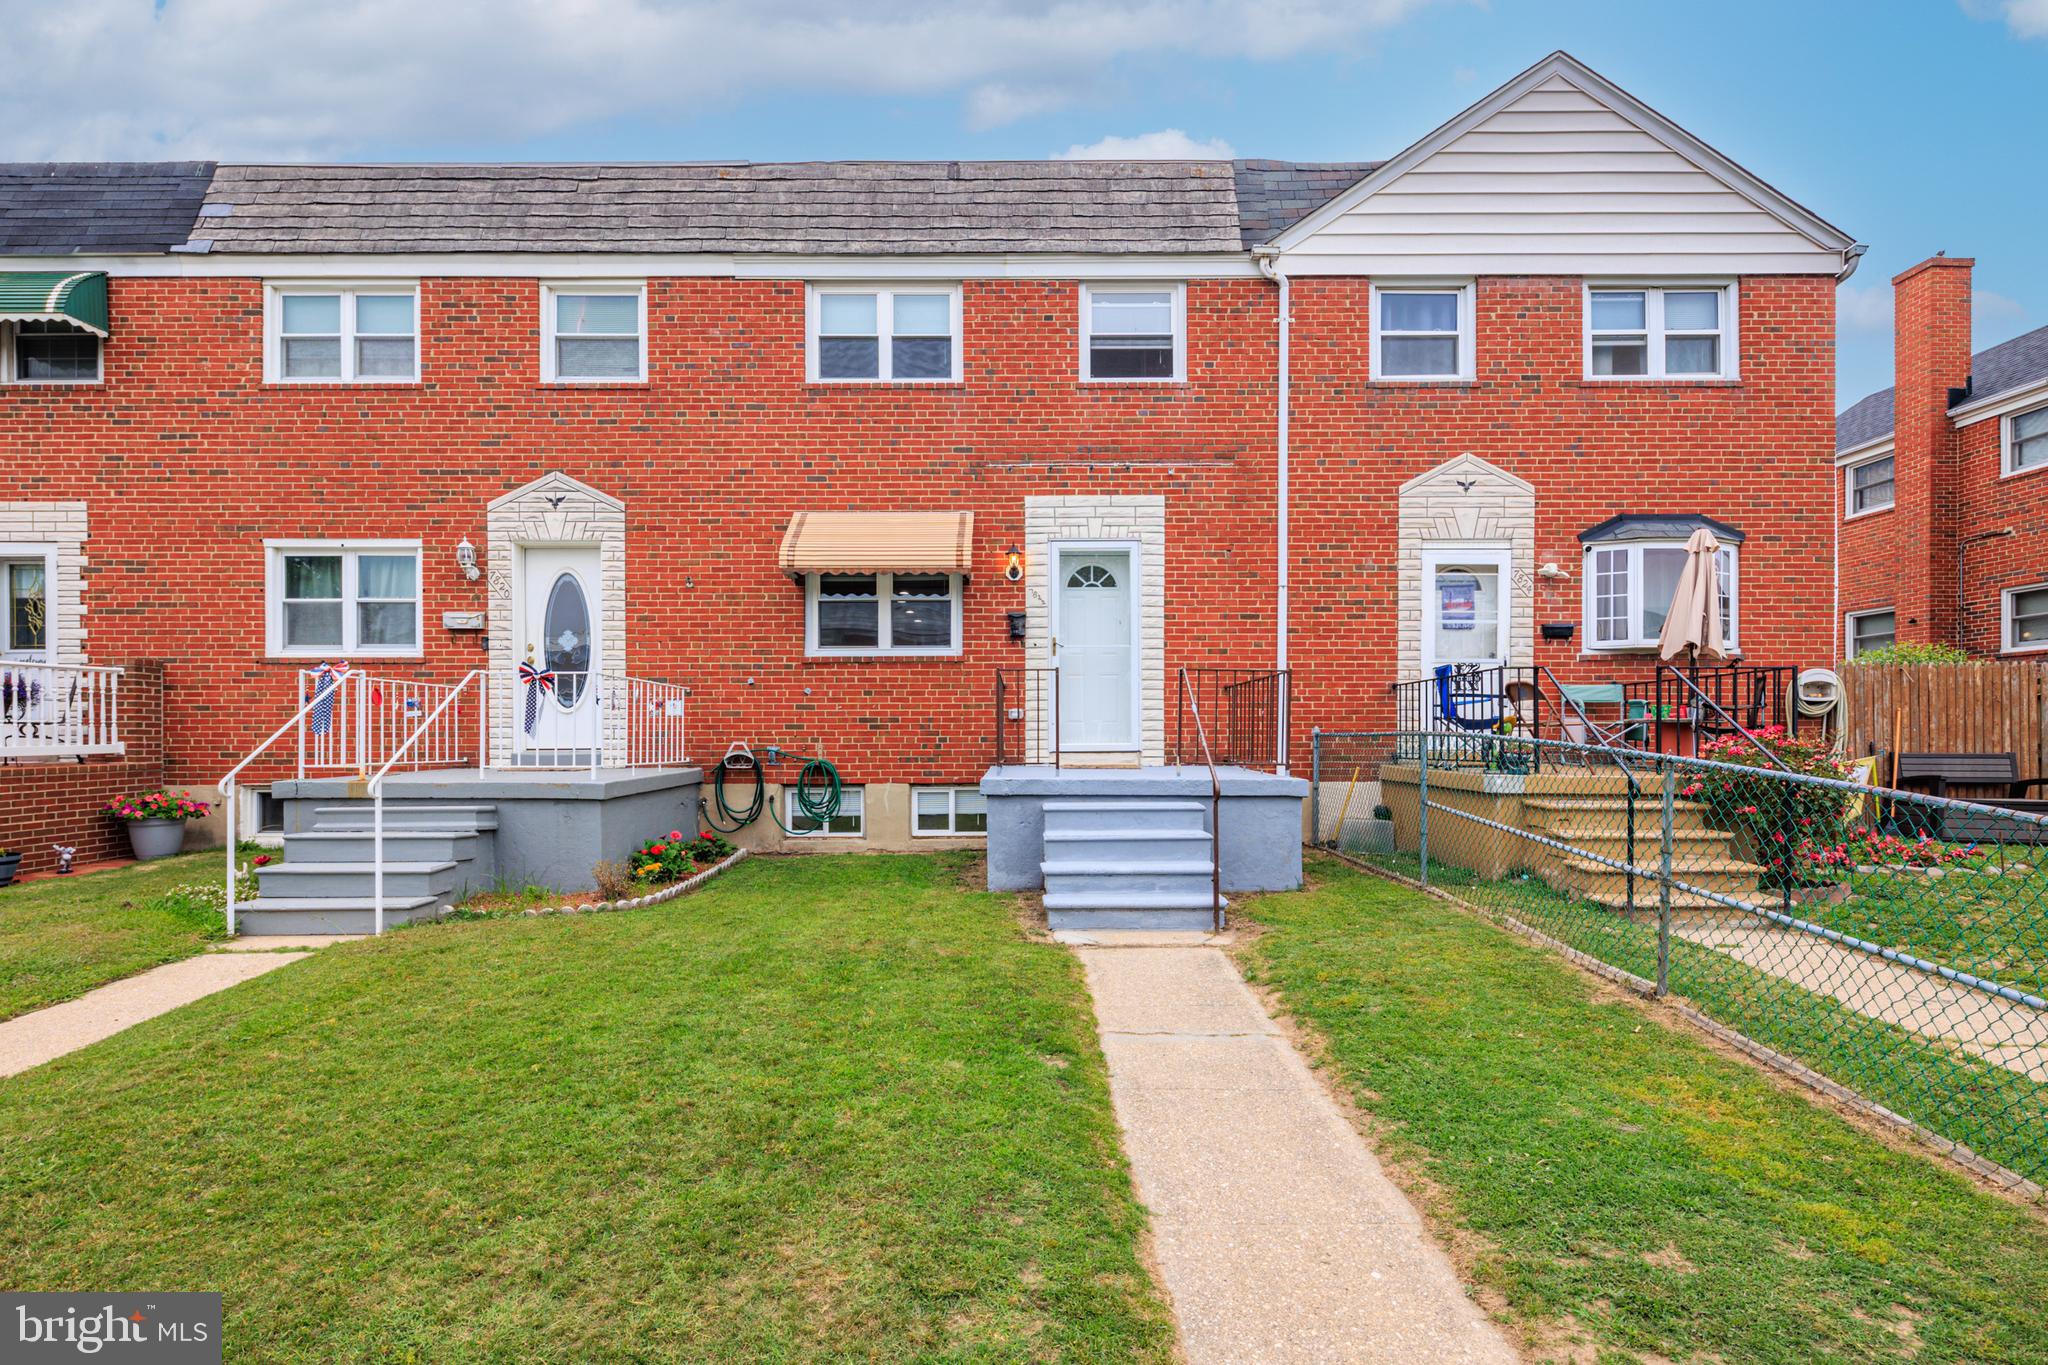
<point x="1337" y="835"/>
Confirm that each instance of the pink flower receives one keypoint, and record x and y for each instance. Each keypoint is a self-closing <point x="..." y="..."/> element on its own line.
<point x="676" y="835"/>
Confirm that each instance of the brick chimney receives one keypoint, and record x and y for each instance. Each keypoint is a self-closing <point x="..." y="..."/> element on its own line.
<point x="1930" y="367"/>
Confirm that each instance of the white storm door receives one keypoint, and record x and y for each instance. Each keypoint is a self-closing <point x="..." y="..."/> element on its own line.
<point x="1465" y="615"/>
<point x="1095" y="649"/>
<point x="560" y="609"/>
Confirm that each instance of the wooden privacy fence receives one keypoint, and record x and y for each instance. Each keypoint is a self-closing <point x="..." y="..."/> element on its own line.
<point x="1953" y="708"/>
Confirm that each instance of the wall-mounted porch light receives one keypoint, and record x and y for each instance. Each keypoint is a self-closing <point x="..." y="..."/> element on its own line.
<point x="1013" y="564"/>
<point x="465" y="560"/>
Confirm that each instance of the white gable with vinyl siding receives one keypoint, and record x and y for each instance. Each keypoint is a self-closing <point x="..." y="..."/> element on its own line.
<point x="1559" y="172"/>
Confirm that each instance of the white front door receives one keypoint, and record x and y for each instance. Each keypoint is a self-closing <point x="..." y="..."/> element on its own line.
<point x="559" y="611"/>
<point x="1465" y="617"/>
<point x="1095" y="649"/>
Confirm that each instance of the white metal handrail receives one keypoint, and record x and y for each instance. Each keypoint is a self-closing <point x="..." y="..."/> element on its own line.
<point x="371" y="716"/>
<point x="376" y="788"/>
<point x="226" y="786"/>
<point x="59" y="710"/>
<point x="636" y="723"/>
<point x="656" y="720"/>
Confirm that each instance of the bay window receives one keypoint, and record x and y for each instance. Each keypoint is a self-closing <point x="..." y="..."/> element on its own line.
<point x="1629" y="587"/>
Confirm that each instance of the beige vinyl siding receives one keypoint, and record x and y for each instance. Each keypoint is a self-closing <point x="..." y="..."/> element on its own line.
<point x="1558" y="183"/>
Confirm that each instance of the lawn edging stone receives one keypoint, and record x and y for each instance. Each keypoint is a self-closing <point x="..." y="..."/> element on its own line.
<point x="667" y="893"/>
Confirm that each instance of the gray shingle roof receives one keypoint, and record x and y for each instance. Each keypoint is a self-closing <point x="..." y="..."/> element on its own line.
<point x="844" y="208"/>
<point x="56" y="208"/>
<point x="1273" y="196"/>
<point x="2009" y="365"/>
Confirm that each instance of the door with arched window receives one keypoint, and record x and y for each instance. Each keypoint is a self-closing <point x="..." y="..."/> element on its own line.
<point x="1095" y="648"/>
<point x="557" y="720"/>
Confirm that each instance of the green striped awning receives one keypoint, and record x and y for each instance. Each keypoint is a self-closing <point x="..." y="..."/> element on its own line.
<point x="77" y="297"/>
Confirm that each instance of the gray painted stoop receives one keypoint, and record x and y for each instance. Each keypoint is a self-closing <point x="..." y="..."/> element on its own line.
<point x="433" y="854"/>
<point x="1128" y="863"/>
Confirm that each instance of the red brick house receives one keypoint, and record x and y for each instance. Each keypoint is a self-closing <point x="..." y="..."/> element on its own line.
<point x="829" y="445"/>
<point x="1944" y="522"/>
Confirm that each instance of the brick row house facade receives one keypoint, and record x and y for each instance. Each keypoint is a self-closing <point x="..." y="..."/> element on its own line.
<point x="829" y="445"/>
<point x="1944" y="497"/>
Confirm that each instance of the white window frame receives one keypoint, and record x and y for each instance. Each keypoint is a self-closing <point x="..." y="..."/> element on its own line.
<point x="274" y="552"/>
<point x="1467" y="360"/>
<point x="885" y="588"/>
<point x="1178" y="299"/>
<point x="1850" y="621"/>
<point x="549" y="289"/>
<point x="2008" y="447"/>
<point x="951" y="831"/>
<point x="274" y="295"/>
<point x="1731" y="584"/>
<point x="2006" y="621"/>
<point x="1653" y="329"/>
<point x="885" y="323"/>
<point x="790" y="815"/>
<point x="9" y="361"/>
<point x="25" y="552"/>
<point x="1849" y="509"/>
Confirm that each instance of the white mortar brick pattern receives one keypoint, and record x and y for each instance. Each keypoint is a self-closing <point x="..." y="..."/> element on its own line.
<point x="1049" y="521"/>
<point x="62" y="524"/>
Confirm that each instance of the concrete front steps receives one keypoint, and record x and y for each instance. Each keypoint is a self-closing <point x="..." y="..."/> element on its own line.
<point x="433" y="855"/>
<point x="1129" y="863"/>
<point x="1700" y="856"/>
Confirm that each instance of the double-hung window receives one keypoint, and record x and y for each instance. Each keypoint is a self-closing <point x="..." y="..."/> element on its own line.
<point x="593" y="334"/>
<point x="1629" y="587"/>
<point x="903" y="335"/>
<point x="325" y="334"/>
<point x="2026" y="440"/>
<point x="45" y="351"/>
<point x="1669" y="332"/>
<point x="882" y="613"/>
<point x="1129" y="334"/>
<point x="940" y="811"/>
<point x="329" y="598"/>
<point x="1870" y="486"/>
<point x="2025" y="618"/>
<point x="1870" y="630"/>
<point x="1422" y="333"/>
<point x="25" y="599"/>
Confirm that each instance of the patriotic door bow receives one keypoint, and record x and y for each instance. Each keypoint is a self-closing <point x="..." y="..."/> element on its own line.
<point x="537" y="681"/>
<point x="327" y="681"/>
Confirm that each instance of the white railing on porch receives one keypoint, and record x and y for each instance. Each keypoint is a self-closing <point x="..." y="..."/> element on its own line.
<point x="372" y="718"/>
<point x="59" y="710"/>
<point x="639" y="723"/>
<point x="448" y="705"/>
<point x="657" y="721"/>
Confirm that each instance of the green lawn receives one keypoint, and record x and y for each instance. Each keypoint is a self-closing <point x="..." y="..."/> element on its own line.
<point x="1622" y="1178"/>
<point x="1993" y="926"/>
<point x="62" y="936"/>
<point x="827" y="1108"/>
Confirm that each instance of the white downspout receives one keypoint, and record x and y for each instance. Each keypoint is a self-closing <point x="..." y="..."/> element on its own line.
<point x="1283" y="403"/>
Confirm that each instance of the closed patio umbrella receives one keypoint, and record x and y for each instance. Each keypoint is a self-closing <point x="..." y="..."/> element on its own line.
<point x="1693" y="625"/>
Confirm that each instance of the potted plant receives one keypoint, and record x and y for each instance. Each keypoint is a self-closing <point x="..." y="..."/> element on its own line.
<point x="156" y="821"/>
<point x="10" y="861"/>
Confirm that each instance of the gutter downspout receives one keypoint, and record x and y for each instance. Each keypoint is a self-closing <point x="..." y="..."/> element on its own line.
<point x="1851" y="258"/>
<point x="1266" y="259"/>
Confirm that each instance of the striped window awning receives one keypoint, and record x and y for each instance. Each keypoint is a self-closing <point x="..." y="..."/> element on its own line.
<point x="75" y="297"/>
<point x="878" y="542"/>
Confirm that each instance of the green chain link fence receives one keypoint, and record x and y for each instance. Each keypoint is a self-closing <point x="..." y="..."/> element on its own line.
<point x="1895" y="944"/>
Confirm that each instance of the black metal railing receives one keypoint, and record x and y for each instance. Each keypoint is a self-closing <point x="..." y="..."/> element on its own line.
<point x="1189" y="703"/>
<point x="1245" y="713"/>
<point x="1027" y="716"/>
<point x="1678" y="707"/>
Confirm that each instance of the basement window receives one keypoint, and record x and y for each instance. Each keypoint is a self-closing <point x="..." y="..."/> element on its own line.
<point x="1132" y="334"/>
<point x="1870" y="630"/>
<point x="937" y="812"/>
<point x="1652" y="332"/>
<point x="2025" y="619"/>
<point x="850" y="820"/>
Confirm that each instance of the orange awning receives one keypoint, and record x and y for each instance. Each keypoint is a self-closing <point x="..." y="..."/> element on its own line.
<point x="878" y="542"/>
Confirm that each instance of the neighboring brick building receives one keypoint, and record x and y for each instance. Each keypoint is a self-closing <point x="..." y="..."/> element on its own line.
<point x="1944" y="523"/>
<point x="1531" y="350"/>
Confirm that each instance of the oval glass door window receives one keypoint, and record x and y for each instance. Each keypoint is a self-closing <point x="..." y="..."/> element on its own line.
<point x="567" y="640"/>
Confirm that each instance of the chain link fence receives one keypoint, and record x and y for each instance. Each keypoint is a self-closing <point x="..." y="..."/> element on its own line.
<point x="1895" y="944"/>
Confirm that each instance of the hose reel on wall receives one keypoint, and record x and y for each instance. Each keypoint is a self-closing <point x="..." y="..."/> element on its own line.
<point x="816" y="791"/>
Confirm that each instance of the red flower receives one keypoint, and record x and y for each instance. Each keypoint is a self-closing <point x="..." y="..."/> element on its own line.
<point x="260" y="860"/>
<point x="676" y="835"/>
<point x="657" y="849"/>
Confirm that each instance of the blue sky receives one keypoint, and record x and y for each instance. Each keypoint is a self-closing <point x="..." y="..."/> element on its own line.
<point x="1916" y="125"/>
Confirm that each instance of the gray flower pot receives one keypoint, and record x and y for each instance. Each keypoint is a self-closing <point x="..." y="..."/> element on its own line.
<point x="156" y="838"/>
<point x="10" y="863"/>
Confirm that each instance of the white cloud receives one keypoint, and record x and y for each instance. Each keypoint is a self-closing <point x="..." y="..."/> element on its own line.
<point x="1168" y="144"/>
<point x="289" y="79"/>
<point x="2027" y="18"/>
<point x="1859" y="309"/>
<point x="1869" y="311"/>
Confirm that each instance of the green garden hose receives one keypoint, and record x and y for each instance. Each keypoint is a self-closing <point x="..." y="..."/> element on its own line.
<point x="817" y="793"/>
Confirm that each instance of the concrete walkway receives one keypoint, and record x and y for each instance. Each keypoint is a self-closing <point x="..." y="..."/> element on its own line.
<point x="32" y="1039"/>
<point x="1278" y="1235"/>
